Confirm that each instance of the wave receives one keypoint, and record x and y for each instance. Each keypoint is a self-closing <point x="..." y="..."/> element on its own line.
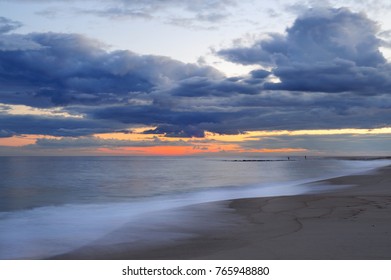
<point x="51" y="230"/>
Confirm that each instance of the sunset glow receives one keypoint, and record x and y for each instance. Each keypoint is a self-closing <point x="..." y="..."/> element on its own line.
<point x="138" y="143"/>
<point x="227" y="78"/>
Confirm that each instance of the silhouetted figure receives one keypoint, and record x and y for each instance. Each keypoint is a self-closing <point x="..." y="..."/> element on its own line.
<point x="288" y="158"/>
<point x="305" y="157"/>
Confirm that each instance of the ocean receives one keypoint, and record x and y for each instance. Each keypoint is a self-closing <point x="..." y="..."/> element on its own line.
<point x="53" y="205"/>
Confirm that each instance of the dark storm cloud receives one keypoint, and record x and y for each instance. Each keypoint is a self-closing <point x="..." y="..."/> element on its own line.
<point x="183" y="131"/>
<point x="264" y="52"/>
<point x="168" y="121"/>
<point x="325" y="50"/>
<point x="63" y="69"/>
<point x="55" y="126"/>
<point x="202" y="86"/>
<point x="260" y="74"/>
<point x="293" y="118"/>
<point x="331" y="71"/>
<point x="119" y="86"/>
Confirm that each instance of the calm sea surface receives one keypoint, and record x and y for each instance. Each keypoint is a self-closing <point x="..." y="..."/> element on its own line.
<point x="51" y="205"/>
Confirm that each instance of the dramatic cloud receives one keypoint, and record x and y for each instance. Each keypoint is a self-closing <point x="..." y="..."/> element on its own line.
<point x="325" y="72"/>
<point x="55" y="126"/>
<point x="202" y="86"/>
<point x="120" y="86"/>
<point x="325" y="50"/>
<point x="64" y="69"/>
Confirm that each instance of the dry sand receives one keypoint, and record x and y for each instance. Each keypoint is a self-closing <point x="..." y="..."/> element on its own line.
<point x="352" y="223"/>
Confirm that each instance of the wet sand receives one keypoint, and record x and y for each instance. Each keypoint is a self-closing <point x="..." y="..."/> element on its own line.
<point x="351" y="223"/>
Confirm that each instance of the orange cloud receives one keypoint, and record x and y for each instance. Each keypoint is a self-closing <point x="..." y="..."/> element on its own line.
<point x="19" y="141"/>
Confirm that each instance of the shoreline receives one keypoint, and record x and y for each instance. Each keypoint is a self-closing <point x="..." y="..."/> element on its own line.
<point x="349" y="223"/>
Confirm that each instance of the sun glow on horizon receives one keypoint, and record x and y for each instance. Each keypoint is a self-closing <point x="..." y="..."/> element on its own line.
<point x="136" y="142"/>
<point x="189" y="150"/>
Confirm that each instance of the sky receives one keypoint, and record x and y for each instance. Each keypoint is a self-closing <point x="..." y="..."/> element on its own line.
<point x="201" y="77"/>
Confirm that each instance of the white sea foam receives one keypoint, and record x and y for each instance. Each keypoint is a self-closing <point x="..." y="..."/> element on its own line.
<point x="46" y="231"/>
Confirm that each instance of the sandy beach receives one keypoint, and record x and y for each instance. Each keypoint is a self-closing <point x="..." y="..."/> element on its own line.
<point x="349" y="223"/>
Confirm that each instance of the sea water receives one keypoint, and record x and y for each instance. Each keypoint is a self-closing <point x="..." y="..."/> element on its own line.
<point x="53" y="205"/>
